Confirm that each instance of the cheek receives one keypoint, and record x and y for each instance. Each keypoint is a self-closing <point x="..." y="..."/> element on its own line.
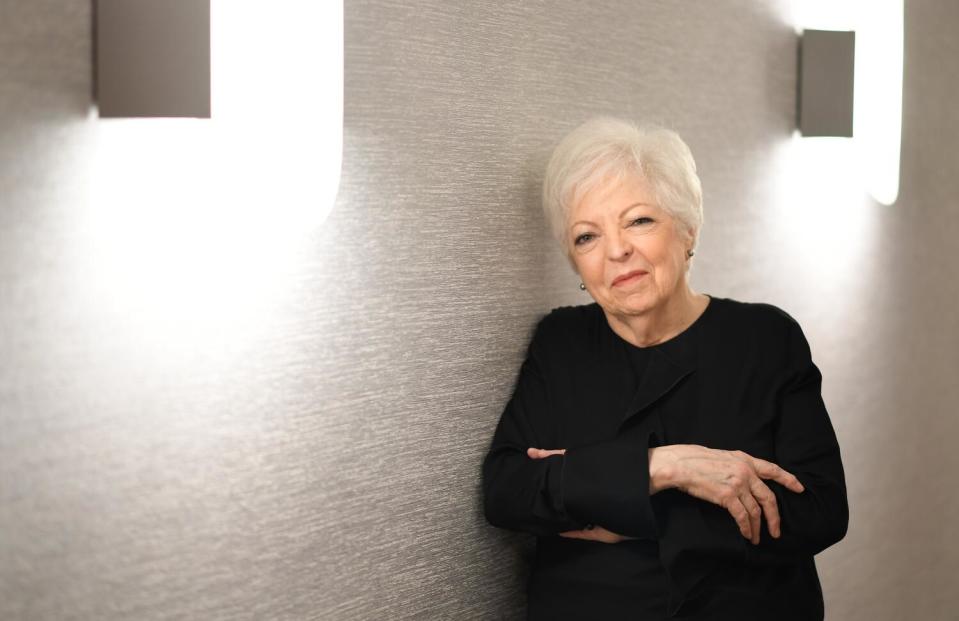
<point x="588" y="267"/>
<point x="670" y="260"/>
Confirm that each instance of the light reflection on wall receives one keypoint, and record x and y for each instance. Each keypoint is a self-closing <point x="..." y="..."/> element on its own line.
<point x="195" y="223"/>
<point x="823" y="216"/>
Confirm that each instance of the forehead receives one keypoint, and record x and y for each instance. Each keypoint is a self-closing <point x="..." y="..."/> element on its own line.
<point x="610" y="196"/>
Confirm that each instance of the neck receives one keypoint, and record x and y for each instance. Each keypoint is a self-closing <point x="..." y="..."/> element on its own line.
<point x="661" y="323"/>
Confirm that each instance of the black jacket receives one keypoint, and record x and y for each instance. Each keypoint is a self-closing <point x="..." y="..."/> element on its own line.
<point x="740" y="377"/>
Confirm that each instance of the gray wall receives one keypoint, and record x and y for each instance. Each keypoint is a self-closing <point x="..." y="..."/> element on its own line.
<point x="323" y="461"/>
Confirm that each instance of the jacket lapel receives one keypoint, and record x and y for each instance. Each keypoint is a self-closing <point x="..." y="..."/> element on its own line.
<point x="662" y="374"/>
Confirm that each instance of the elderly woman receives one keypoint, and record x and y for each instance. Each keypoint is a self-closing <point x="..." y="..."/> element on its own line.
<point x="669" y="449"/>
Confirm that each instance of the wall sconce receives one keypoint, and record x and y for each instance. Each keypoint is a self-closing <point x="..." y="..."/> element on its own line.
<point x="152" y="58"/>
<point x="859" y="69"/>
<point x="237" y="195"/>
<point x="826" y="75"/>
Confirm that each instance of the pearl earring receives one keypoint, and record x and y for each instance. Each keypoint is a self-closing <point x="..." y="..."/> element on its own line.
<point x="582" y="287"/>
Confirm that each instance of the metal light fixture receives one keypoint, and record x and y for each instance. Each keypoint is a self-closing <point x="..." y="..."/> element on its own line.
<point x="153" y="58"/>
<point x="826" y="78"/>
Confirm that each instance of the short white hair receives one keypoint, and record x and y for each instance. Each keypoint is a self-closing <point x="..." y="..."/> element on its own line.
<point x="606" y="149"/>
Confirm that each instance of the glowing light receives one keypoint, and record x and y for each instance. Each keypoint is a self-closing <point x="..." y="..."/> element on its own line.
<point x="877" y="120"/>
<point x="195" y="222"/>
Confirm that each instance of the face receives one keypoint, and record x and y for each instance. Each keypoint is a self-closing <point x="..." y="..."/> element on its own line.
<point x="617" y="230"/>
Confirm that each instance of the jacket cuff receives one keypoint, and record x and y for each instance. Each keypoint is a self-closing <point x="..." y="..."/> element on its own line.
<point x="608" y="484"/>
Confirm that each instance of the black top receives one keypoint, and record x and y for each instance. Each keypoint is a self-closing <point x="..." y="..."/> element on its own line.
<point x="739" y="377"/>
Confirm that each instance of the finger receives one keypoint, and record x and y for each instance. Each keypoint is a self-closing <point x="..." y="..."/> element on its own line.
<point x="769" y="470"/>
<point x="767" y="499"/>
<point x="736" y="509"/>
<point x="755" y="515"/>
<point x="606" y="536"/>
<point x="597" y="533"/>
<point x="609" y="538"/>
<point x="587" y="535"/>
<point x="537" y="453"/>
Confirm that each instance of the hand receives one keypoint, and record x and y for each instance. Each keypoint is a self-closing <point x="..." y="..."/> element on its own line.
<point x="594" y="533"/>
<point x="730" y="479"/>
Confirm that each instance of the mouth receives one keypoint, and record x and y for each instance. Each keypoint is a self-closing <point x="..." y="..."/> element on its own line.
<point x="629" y="278"/>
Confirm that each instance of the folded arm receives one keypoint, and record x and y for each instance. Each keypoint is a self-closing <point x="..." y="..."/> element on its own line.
<point x="605" y="484"/>
<point x="804" y="485"/>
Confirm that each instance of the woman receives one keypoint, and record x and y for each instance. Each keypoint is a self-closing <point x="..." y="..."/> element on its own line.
<point x="669" y="449"/>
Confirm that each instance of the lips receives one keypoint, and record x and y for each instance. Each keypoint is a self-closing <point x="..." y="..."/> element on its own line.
<point x="628" y="277"/>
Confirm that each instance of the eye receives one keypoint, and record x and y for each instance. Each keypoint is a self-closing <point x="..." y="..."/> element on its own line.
<point x="641" y="220"/>
<point x="582" y="239"/>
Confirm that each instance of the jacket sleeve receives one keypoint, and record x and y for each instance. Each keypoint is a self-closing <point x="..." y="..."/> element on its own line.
<point x="805" y="445"/>
<point x="606" y="483"/>
<point x="699" y="539"/>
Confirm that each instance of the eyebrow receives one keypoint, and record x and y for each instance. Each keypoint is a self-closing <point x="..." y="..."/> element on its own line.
<point x="620" y="213"/>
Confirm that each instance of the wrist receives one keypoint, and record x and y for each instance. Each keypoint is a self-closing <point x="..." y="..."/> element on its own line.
<point x="661" y="470"/>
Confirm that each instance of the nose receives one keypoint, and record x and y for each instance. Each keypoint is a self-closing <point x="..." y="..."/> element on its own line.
<point x="619" y="246"/>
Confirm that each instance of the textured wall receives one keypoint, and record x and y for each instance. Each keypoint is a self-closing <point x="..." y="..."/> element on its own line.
<point x="320" y="457"/>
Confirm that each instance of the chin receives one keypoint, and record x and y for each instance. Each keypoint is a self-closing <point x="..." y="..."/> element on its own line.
<point x="635" y="304"/>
